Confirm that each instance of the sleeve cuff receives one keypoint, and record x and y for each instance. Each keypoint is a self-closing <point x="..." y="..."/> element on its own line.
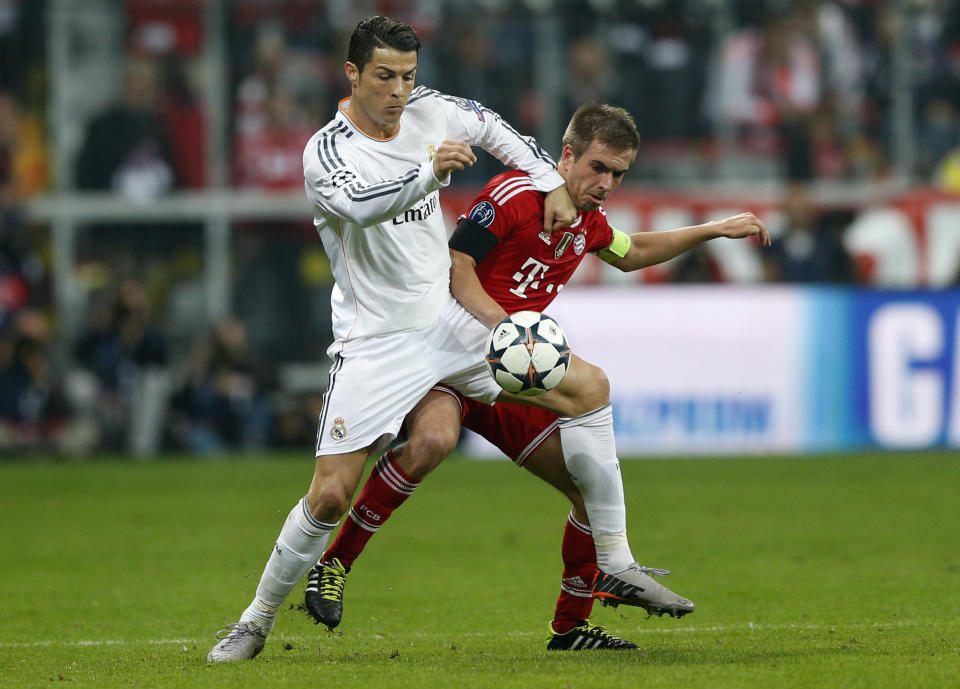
<point x="548" y="181"/>
<point x="428" y="180"/>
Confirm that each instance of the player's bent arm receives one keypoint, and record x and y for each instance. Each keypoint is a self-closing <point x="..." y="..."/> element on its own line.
<point x="343" y="193"/>
<point x="466" y="288"/>
<point x="480" y="126"/>
<point x="643" y="249"/>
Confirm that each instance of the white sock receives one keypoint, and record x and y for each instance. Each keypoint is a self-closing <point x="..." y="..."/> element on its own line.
<point x="590" y="453"/>
<point x="300" y="544"/>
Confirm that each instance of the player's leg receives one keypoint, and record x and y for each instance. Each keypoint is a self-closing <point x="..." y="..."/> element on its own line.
<point x="529" y="436"/>
<point x="432" y="429"/>
<point x="301" y="541"/>
<point x="575" y="601"/>
<point x="373" y="384"/>
<point x="590" y="456"/>
<point x="586" y="432"/>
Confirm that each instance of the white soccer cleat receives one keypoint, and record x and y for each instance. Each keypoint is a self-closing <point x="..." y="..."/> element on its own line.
<point x="634" y="586"/>
<point x="240" y="641"/>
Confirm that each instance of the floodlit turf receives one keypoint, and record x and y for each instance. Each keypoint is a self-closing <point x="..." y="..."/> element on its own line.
<point x="807" y="572"/>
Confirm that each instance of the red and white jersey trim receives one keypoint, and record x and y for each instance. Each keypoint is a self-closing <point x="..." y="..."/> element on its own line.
<point x="507" y="190"/>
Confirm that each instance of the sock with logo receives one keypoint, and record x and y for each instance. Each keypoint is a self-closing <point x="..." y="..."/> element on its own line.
<point x="385" y="490"/>
<point x="579" y="570"/>
<point x="301" y="541"/>
<point x="590" y="453"/>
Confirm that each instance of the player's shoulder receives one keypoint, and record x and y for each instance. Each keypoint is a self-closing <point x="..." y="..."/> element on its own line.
<point x="329" y="146"/>
<point x="426" y="97"/>
<point x="598" y="228"/>
<point x="597" y="217"/>
<point x="422" y="93"/>
<point x="514" y="186"/>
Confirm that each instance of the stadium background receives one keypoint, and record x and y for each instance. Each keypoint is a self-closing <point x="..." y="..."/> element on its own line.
<point x="162" y="288"/>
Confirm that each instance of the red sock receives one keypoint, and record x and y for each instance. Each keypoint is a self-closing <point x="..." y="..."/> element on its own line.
<point x="385" y="490"/>
<point x="579" y="570"/>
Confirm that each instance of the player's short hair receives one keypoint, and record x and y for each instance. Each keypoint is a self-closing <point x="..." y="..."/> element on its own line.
<point x="607" y="124"/>
<point x="380" y="32"/>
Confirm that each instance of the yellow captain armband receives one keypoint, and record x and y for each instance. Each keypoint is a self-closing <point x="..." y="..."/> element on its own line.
<point x="618" y="247"/>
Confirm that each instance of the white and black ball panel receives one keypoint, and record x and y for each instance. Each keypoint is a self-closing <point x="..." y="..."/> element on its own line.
<point x="527" y="353"/>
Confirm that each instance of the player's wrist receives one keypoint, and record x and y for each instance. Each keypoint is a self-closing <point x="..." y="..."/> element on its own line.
<point x="715" y="229"/>
<point x="429" y="179"/>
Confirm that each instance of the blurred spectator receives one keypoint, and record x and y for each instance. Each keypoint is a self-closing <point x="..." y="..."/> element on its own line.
<point x="696" y="265"/>
<point x="828" y="157"/>
<point x="271" y="158"/>
<point x="222" y="402"/>
<point x="947" y="174"/>
<point x="184" y="123"/>
<point x="34" y="413"/>
<point x="295" y="419"/>
<point x="769" y="83"/>
<point x="939" y="133"/>
<point x="23" y="164"/>
<point x="590" y="76"/>
<point x="263" y="79"/>
<point x="22" y="173"/>
<point x="126" y="148"/>
<point x="120" y="347"/>
<point x="807" y="245"/>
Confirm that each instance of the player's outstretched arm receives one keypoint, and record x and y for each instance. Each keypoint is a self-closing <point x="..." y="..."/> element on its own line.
<point x="466" y="288"/>
<point x="650" y="248"/>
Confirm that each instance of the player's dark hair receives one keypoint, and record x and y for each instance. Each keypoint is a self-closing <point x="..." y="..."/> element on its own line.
<point x="608" y="124"/>
<point x="380" y="32"/>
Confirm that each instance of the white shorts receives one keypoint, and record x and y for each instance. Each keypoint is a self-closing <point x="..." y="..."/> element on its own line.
<point x="375" y="381"/>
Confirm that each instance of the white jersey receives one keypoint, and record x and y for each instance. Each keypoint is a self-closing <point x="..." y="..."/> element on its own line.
<point x="377" y="208"/>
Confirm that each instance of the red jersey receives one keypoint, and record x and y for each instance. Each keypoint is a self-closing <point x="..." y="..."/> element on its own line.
<point x="526" y="270"/>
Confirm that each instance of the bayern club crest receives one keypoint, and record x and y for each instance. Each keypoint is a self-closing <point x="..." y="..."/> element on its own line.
<point x="579" y="243"/>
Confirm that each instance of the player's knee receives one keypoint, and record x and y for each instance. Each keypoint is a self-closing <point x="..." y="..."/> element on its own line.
<point x="576" y="499"/>
<point x="428" y="449"/>
<point x="594" y="388"/>
<point x="328" y="502"/>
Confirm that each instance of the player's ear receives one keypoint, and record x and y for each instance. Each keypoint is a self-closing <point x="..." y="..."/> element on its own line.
<point x="353" y="74"/>
<point x="566" y="156"/>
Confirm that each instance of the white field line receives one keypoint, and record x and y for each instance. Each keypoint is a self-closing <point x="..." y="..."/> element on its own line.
<point x="750" y="626"/>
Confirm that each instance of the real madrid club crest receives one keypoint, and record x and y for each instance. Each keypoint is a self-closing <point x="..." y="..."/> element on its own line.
<point x="431" y="152"/>
<point x="338" y="431"/>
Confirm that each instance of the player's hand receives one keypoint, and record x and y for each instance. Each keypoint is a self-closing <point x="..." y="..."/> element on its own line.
<point x="558" y="210"/>
<point x="452" y="155"/>
<point x="745" y="225"/>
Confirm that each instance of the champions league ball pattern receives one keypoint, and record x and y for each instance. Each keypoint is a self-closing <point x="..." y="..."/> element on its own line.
<point x="527" y="353"/>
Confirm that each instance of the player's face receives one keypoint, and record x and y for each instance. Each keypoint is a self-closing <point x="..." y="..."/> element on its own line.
<point x="595" y="174"/>
<point x="380" y="92"/>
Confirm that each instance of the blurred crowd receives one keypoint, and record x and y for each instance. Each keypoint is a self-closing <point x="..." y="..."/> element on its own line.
<point x="800" y="92"/>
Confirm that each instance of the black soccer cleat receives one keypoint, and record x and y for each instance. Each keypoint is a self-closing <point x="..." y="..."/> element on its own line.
<point x="324" y="594"/>
<point x="633" y="586"/>
<point x="586" y="637"/>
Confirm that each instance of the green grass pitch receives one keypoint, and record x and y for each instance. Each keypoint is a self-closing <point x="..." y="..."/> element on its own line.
<point x="807" y="572"/>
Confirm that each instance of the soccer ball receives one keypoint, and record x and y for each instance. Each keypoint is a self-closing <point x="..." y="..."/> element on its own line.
<point x="527" y="353"/>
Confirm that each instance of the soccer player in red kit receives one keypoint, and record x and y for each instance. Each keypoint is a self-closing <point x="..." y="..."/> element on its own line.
<point x="503" y="262"/>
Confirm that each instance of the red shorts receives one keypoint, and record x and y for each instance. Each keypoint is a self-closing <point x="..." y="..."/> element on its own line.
<point x="516" y="429"/>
